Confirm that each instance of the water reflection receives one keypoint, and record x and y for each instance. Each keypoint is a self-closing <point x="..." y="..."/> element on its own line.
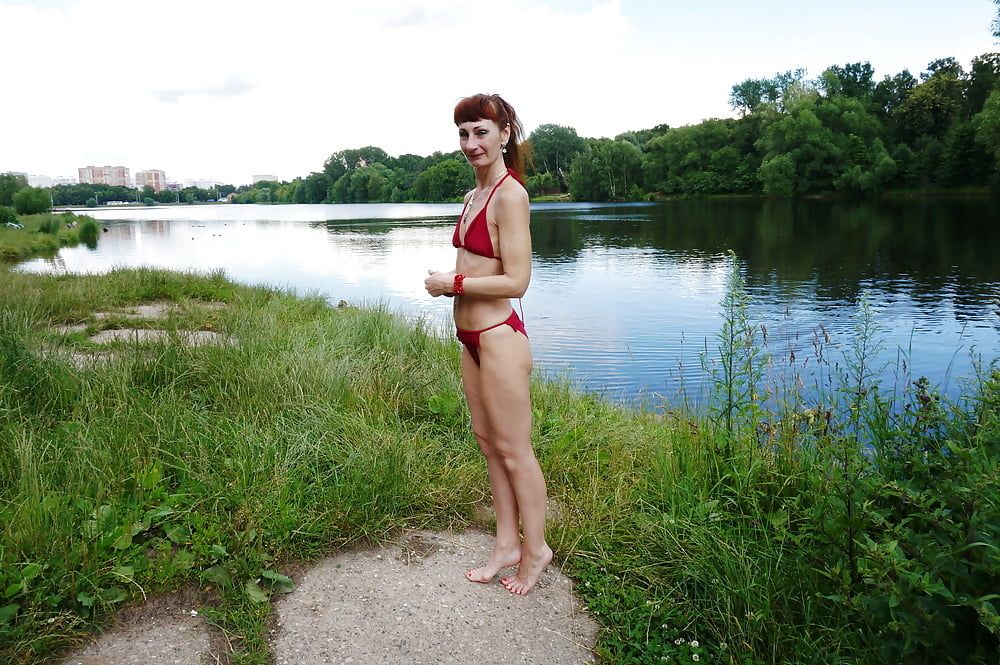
<point x="625" y="297"/>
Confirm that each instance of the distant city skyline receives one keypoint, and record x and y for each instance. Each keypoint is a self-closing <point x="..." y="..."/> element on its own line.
<point x="279" y="91"/>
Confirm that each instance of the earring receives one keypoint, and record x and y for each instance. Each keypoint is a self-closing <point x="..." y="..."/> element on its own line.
<point x="504" y="148"/>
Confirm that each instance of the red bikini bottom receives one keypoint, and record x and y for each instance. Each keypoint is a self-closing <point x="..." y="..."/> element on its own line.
<point x="470" y="338"/>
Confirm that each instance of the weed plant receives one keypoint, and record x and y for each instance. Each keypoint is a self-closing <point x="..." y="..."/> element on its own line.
<point x="858" y="527"/>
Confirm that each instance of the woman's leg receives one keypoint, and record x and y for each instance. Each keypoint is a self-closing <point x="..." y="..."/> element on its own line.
<point x="507" y="550"/>
<point x="504" y="379"/>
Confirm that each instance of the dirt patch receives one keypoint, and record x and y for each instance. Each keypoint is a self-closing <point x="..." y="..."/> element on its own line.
<point x="189" y="337"/>
<point x="155" y="310"/>
<point x="70" y="328"/>
<point x="404" y="602"/>
<point x="409" y="602"/>
<point x="167" y="629"/>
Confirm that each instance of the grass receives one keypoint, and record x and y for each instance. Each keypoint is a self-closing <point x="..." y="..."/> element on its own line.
<point x="735" y="535"/>
<point x="44" y="234"/>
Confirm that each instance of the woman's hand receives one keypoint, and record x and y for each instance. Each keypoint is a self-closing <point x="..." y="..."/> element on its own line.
<point x="439" y="283"/>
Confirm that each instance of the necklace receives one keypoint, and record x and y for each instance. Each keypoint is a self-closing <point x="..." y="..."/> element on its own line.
<point x="475" y="195"/>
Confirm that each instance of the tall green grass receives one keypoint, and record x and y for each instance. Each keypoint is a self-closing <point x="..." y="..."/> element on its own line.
<point x="44" y="234"/>
<point x="857" y="528"/>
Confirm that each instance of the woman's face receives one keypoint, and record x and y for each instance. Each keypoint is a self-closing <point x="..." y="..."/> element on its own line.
<point x="482" y="141"/>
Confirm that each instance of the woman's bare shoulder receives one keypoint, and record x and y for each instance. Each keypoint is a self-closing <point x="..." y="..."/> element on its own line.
<point x="512" y="194"/>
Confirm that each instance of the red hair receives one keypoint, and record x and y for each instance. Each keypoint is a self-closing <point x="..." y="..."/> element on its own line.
<point x="497" y="109"/>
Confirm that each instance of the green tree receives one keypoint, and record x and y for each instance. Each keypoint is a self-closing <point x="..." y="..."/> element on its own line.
<point x="753" y="95"/>
<point x="444" y="181"/>
<point x="987" y="125"/>
<point x="32" y="200"/>
<point x="608" y="170"/>
<point x="964" y="160"/>
<point x="695" y="159"/>
<point x="852" y="80"/>
<point x="542" y="183"/>
<point x="984" y="78"/>
<point x="10" y="184"/>
<point x="314" y="188"/>
<point x="930" y="108"/>
<point x="373" y="183"/>
<point x="800" y="140"/>
<point x="555" y="146"/>
<point x="641" y="137"/>
<point x="892" y="91"/>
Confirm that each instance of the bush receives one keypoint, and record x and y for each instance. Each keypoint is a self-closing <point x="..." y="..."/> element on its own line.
<point x="49" y="225"/>
<point x="149" y="201"/>
<point x="92" y="202"/>
<point x="7" y="216"/>
<point x="542" y="183"/>
<point x="31" y="201"/>
<point x="88" y="233"/>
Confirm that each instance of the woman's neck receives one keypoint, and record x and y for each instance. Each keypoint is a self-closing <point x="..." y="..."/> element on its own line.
<point x="488" y="175"/>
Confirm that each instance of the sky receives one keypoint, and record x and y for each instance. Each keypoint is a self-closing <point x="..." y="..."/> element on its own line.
<point x="225" y="89"/>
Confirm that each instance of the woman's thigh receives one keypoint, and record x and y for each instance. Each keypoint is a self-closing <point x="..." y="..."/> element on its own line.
<point x="472" y="385"/>
<point x="505" y="379"/>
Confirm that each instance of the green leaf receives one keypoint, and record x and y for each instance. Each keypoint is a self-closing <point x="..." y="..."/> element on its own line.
<point x="255" y="593"/>
<point x="7" y="613"/>
<point x="123" y="542"/>
<point x="139" y="527"/>
<point x="279" y="582"/>
<point x="178" y="533"/>
<point x="13" y="590"/>
<point x="85" y="599"/>
<point x="217" y="575"/>
<point x="127" y="573"/>
<point x="31" y="571"/>
<point x="156" y="514"/>
<point x="152" y="477"/>
<point x="184" y="559"/>
<point x="218" y="551"/>
<point x="112" y="595"/>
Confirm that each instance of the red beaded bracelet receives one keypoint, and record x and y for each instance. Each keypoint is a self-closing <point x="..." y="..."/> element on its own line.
<point x="457" y="287"/>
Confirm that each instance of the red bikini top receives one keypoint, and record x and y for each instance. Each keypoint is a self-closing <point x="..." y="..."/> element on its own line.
<point x="477" y="236"/>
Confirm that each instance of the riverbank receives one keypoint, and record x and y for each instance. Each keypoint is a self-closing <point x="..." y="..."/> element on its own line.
<point x="737" y="535"/>
<point x="44" y="234"/>
<point x="890" y="194"/>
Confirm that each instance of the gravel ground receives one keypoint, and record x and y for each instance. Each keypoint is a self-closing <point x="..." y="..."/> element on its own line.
<point x="404" y="602"/>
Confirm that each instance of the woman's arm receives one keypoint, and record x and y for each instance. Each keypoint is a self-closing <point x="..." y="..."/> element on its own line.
<point x="512" y="214"/>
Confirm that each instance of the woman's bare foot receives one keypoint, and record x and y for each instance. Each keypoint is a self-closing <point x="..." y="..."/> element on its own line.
<point x="501" y="558"/>
<point x="527" y="573"/>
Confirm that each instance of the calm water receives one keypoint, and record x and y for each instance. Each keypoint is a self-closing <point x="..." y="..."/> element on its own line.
<point x="625" y="297"/>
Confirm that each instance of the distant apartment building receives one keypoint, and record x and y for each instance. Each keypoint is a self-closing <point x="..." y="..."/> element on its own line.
<point x="40" y="180"/>
<point x="202" y="184"/>
<point x="155" y="179"/>
<point x="36" y="180"/>
<point x="258" y="178"/>
<point x="116" y="176"/>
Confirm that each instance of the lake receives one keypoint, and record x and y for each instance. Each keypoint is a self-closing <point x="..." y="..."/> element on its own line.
<point x="625" y="298"/>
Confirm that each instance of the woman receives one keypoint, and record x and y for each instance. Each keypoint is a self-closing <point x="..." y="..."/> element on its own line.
<point x="493" y="266"/>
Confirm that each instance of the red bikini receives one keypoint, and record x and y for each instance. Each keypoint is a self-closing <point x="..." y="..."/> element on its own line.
<point x="477" y="236"/>
<point x="477" y="240"/>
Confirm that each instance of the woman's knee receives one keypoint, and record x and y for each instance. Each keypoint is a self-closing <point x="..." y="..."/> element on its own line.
<point x="483" y="438"/>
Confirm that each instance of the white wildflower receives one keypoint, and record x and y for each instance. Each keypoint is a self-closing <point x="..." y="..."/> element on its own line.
<point x="694" y="643"/>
